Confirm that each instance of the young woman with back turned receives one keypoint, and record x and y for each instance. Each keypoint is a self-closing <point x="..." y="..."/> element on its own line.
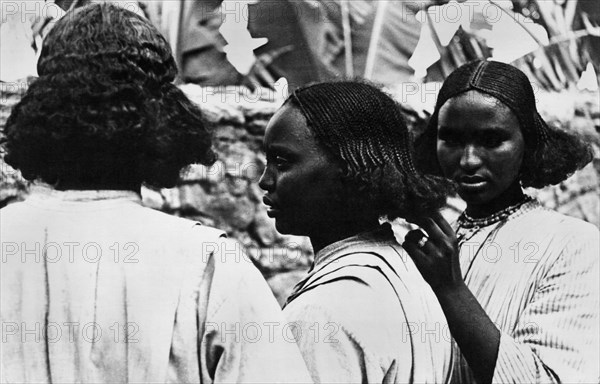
<point x="95" y="287"/>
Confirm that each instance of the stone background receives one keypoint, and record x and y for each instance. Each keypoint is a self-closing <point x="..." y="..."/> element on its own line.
<point x="227" y="195"/>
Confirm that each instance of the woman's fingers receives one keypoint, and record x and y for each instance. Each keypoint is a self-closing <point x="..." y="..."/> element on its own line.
<point x="414" y="251"/>
<point x="439" y="230"/>
<point x="417" y="243"/>
<point x="414" y="236"/>
<point x="436" y="235"/>
<point x="421" y="255"/>
<point x="443" y="224"/>
<point x="435" y="256"/>
<point x="431" y="227"/>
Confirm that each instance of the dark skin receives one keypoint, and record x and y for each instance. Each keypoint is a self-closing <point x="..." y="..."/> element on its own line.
<point x="304" y="191"/>
<point x="480" y="146"/>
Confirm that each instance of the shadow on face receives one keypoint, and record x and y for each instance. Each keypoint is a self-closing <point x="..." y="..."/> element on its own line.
<point x="480" y="146"/>
<point x="302" y="182"/>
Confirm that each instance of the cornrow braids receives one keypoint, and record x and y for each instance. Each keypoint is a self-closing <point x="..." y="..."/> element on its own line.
<point x="364" y="130"/>
<point x="356" y="120"/>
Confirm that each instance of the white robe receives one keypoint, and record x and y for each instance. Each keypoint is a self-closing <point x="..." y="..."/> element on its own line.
<point x="96" y="288"/>
<point x="537" y="278"/>
<point x="364" y="314"/>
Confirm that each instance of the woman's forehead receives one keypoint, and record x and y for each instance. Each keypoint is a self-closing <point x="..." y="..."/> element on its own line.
<point x="476" y="110"/>
<point x="288" y="126"/>
<point x="476" y="97"/>
<point x="474" y="102"/>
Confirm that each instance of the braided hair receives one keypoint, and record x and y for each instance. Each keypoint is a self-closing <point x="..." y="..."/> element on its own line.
<point x="551" y="155"/>
<point x="363" y="130"/>
<point x="104" y="111"/>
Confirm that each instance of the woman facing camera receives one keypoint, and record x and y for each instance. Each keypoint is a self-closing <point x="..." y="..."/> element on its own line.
<point x="518" y="283"/>
<point x="338" y="158"/>
<point x="95" y="287"/>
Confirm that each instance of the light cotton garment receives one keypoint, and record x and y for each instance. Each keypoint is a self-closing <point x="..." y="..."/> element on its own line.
<point x="365" y="315"/>
<point x="537" y="277"/>
<point x="98" y="289"/>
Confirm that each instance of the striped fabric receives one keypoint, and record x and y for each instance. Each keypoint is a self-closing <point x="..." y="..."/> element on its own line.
<point x="537" y="277"/>
<point x="363" y="314"/>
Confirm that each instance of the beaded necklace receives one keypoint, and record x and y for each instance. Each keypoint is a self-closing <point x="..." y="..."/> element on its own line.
<point x="469" y="226"/>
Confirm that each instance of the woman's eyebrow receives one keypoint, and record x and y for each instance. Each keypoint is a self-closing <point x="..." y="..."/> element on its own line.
<point x="493" y="131"/>
<point x="448" y="129"/>
<point x="283" y="149"/>
<point x="482" y="129"/>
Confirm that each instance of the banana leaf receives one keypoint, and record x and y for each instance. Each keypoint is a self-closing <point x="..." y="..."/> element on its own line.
<point x="555" y="67"/>
<point x="366" y="38"/>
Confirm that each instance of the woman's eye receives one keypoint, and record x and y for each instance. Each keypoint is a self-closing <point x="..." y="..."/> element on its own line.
<point x="448" y="137"/>
<point x="449" y="140"/>
<point x="491" y="142"/>
<point x="280" y="162"/>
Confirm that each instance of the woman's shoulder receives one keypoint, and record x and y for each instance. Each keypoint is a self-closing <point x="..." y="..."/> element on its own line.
<point x="363" y="299"/>
<point x="356" y="301"/>
<point x="561" y="239"/>
<point x="172" y="224"/>
<point x="551" y="222"/>
<point x="363" y="275"/>
<point x="364" y="260"/>
<point x="380" y="243"/>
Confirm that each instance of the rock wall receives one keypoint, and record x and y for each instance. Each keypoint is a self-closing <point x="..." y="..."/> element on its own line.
<point x="227" y="195"/>
<point x="12" y="186"/>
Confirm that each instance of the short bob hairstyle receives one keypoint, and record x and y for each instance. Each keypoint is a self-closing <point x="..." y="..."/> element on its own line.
<point x="363" y="130"/>
<point x="551" y="155"/>
<point x="104" y="112"/>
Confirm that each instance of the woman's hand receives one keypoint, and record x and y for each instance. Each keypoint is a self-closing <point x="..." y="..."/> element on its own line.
<point x="437" y="260"/>
<point x="435" y="256"/>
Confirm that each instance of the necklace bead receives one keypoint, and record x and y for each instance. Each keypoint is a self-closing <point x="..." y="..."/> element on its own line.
<point x="467" y="221"/>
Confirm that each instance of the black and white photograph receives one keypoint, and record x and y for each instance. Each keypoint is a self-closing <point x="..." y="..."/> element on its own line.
<point x="300" y="191"/>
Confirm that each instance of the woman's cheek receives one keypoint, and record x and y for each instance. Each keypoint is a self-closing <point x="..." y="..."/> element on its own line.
<point x="448" y="160"/>
<point x="506" y="156"/>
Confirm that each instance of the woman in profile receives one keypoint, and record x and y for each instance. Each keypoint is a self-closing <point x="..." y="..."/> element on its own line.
<point x="518" y="283"/>
<point x="338" y="158"/>
<point x="95" y="287"/>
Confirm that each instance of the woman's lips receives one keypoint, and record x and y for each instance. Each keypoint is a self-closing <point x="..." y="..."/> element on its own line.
<point x="273" y="212"/>
<point x="272" y="209"/>
<point x="471" y="182"/>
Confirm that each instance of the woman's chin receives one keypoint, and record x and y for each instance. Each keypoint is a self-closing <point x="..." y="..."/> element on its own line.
<point x="286" y="228"/>
<point x="283" y="227"/>
<point x="473" y="197"/>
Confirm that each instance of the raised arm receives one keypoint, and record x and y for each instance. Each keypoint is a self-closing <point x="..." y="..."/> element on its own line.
<point x="556" y="338"/>
<point x="438" y="262"/>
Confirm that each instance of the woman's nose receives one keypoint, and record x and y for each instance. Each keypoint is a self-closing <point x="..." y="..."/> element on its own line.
<point x="470" y="158"/>
<point x="266" y="181"/>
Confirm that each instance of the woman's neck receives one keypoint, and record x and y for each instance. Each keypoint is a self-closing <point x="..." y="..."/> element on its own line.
<point x="513" y="195"/>
<point x="341" y="231"/>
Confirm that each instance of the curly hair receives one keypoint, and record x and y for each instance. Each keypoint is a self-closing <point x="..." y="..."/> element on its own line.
<point x="363" y="129"/>
<point x="104" y="111"/>
<point x="551" y="155"/>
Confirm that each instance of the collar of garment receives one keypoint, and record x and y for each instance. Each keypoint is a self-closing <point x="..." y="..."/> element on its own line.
<point x="381" y="234"/>
<point x="43" y="195"/>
